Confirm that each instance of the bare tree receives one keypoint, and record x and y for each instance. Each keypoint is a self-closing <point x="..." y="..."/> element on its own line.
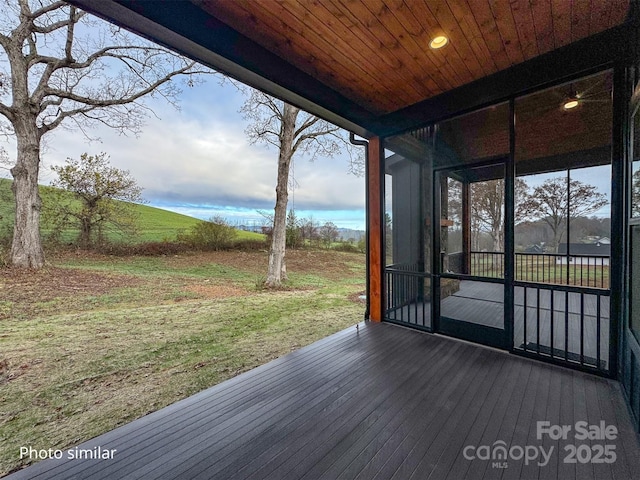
<point x="309" y="229"/>
<point x="554" y="202"/>
<point x="291" y="131"/>
<point x="61" y="68"/>
<point x="487" y="204"/>
<point x="487" y="208"/>
<point x="329" y="233"/>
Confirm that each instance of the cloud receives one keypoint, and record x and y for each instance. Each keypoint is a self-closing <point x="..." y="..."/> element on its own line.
<point x="201" y="156"/>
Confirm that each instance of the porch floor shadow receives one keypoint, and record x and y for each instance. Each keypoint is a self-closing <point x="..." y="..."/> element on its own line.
<point x="377" y="402"/>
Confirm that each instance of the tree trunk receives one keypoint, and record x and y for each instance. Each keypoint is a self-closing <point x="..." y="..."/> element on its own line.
<point x="277" y="270"/>
<point x="26" y="249"/>
<point x="85" y="233"/>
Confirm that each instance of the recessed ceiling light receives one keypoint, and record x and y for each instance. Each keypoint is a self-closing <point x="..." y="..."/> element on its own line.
<point x="571" y="104"/>
<point x="438" y="42"/>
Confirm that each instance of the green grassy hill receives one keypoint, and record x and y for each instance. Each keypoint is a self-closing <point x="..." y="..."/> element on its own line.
<point x="155" y="224"/>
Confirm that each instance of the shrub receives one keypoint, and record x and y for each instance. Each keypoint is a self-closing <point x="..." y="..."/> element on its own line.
<point x="347" y="247"/>
<point x="212" y="234"/>
<point x="250" y="245"/>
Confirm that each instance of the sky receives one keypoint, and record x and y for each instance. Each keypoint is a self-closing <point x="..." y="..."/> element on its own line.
<point x="198" y="161"/>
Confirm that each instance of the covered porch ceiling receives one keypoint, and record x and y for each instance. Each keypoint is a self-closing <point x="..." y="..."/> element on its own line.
<point x="366" y="65"/>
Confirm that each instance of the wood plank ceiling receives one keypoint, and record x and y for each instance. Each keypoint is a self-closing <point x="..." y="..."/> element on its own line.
<point x="376" y="52"/>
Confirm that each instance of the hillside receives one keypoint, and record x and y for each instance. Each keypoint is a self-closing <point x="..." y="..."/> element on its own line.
<point x="155" y="224"/>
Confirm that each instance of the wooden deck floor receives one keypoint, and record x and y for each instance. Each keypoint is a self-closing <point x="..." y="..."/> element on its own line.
<point x="381" y="402"/>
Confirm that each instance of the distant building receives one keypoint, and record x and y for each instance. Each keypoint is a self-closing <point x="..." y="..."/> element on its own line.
<point x="595" y="254"/>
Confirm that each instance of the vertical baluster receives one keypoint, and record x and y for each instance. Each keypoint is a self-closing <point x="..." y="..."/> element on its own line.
<point x="518" y="267"/>
<point x="581" y="328"/>
<point x="387" y="299"/>
<point x="403" y="279"/>
<point x="598" y="330"/>
<point x="538" y="320"/>
<point x="566" y="325"/>
<point x="552" y="320"/>
<point x="417" y="283"/>
<point x="524" y="321"/>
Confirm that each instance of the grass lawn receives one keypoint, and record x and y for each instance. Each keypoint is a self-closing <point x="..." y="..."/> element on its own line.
<point x="545" y="269"/>
<point x="93" y="342"/>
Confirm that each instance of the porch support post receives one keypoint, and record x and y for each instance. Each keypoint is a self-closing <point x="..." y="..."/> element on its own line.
<point x="375" y="228"/>
<point x="622" y="88"/>
<point x="509" y="271"/>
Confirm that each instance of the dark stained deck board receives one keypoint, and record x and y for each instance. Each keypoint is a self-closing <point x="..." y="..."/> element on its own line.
<point x="332" y="465"/>
<point x="583" y="470"/>
<point x="417" y="420"/>
<point x="285" y="444"/>
<point x="594" y="411"/>
<point x="495" y="424"/>
<point x="369" y="440"/>
<point x="382" y="402"/>
<point x="488" y="414"/>
<point x="530" y="471"/>
<point x="612" y="406"/>
<point x="567" y="403"/>
<point x="356" y="406"/>
<point x="453" y="443"/>
<point x="519" y="435"/>
<point x="461" y="416"/>
<point x="355" y="455"/>
<point x="553" y="416"/>
<point x="408" y="452"/>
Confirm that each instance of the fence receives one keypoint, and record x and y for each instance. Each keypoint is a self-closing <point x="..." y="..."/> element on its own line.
<point x="554" y="268"/>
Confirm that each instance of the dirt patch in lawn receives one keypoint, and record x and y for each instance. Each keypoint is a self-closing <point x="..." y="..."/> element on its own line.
<point x="31" y="293"/>
<point x="53" y="282"/>
<point x="327" y="263"/>
<point x="252" y="262"/>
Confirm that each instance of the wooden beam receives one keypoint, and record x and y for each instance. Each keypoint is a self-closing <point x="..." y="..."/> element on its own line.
<point x="375" y="229"/>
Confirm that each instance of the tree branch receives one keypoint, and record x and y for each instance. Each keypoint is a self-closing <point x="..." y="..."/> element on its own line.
<point x="311" y="136"/>
<point x="48" y="91"/>
<point x="70" y="30"/>
<point x="45" y="9"/>
<point x="309" y="122"/>
<point x="8" y="112"/>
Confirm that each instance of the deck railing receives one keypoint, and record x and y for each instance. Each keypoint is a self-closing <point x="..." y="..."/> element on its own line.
<point x="554" y="268"/>
<point x="563" y="323"/>
<point x="408" y="292"/>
